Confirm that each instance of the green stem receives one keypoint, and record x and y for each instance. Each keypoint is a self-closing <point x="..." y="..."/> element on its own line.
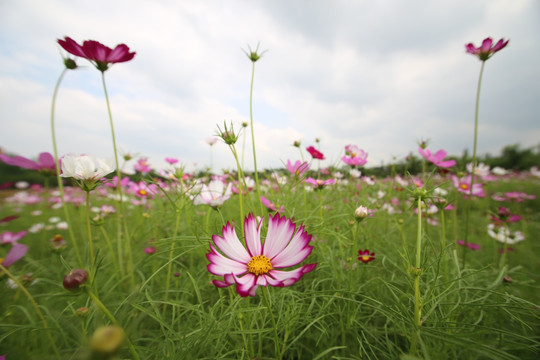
<point x="171" y="252"/>
<point x="253" y="136"/>
<point x="34" y="304"/>
<point x="443" y="235"/>
<point x="89" y="230"/>
<point x="111" y="317"/>
<point x="121" y="213"/>
<point x="58" y="170"/>
<point x="467" y="209"/>
<point x="266" y="296"/>
<point x="417" y="272"/>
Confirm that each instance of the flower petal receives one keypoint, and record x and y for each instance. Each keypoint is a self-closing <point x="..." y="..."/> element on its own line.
<point x="230" y="245"/>
<point x="252" y="230"/>
<point x="296" y="252"/>
<point x="288" y="278"/>
<point x="279" y="234"/>
<point x="221" y="265"/>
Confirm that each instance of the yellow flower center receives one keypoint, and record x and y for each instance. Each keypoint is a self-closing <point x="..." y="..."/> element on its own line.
<point x="464" y="186"/>
<point x="142" y="192"/>
<point x="259" y="265"/>
<point x="365" y="258"/>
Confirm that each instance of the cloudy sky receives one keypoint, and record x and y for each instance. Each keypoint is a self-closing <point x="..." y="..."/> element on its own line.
<point x="379" y="74"/>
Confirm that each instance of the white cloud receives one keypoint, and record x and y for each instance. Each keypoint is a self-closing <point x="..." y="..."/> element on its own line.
<point x="381" y="75"/>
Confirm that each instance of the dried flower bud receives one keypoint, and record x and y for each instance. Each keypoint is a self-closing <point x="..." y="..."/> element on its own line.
<point x="82" y="311"/>
<point x="75" y="278"/>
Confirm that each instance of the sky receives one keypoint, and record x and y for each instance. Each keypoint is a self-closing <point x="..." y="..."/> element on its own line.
<point x="382" y="75"/>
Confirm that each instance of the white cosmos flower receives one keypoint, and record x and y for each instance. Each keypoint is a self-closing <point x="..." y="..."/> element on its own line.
<point x="504" y="235"/>
<point x="84" y="167"/>
<point x="213" y="194"/>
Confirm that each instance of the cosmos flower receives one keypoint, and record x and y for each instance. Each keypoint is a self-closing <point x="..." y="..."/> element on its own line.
<point x="504" y="235"/>
<point x="365" y="257"/>
<point x="298" y="168"/>
<point x="213" y="194"/>
<point x="270" y="205"/>
<point x="354" y="156"/>
<point x="470" y="245"/>
<point x="319" y="184"/>
<point x="487" y="49"/>
<point x="142" y="166"/>
<point x="437" y="158"/>
<point x="463" y="185"/>
<point x="316" y="154"/>
<point x="86" y="170"/>
<point x="260" y="263"/>
<point x="45" y="162"/>
<point x="99" y="55"/>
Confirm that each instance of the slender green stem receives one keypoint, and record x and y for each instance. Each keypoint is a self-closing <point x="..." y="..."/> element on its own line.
<point x="473" y="170"/>
<point x="111" y="317"/>
<point x="443" y="236"/>
<point x="417" y="273"/>
<point x="89" y="230"/>
<point x="266" y="296"/>
<point x="34" y="304"/>
<point x="241" y="182"/>
<point x="121" y="213"/>
<point x="171" y="252"/>
<point x="257" y="186"/>
<point x="58" y="170"/>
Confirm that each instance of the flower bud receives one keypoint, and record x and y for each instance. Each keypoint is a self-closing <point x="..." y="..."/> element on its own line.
<point x="82" y="311"/>
<point x="361" y="213"/>
<point x="107" y="339"/>
<point x="75" y="278"/>
<point x="70" y="63"/>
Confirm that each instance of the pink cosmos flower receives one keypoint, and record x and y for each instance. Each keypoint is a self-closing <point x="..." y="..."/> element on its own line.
<point x="436" y="158"/>
<point x="171" y="161"/>
<point x="504" y="216"/>
<point x="298" y="168"/>
<point x="150" y="250"/>
<point x="463" y="185"/>
<point x="486" y="50"/>
<point x="316" y="154"/>
<point x="142" y="166"/>
<point x="17" y="250"/>
<point x="260" y="263"/>
<point x="270" y="205"/>
<point x="99" y="55"/>
<point x="470" y="245"/>
<point x="45" y="162"/>
<point x="365" y="256"/>
<point x="9" y="237"/>
<point x="319" y="184"/>
<point x="142" y="189"/>
<point x="354" y="156"/>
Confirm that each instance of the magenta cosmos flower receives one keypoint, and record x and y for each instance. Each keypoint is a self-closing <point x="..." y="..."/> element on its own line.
<point x="354" y="156"/>
<point x="365" y="256"/>
<point x="260" y="263"/>
<point x="97" y="53"/>
<point x="45" y="162"/>
<point x="316" y="154"/>
<point x="487" y="49"/>
<point x="437" y="158"/>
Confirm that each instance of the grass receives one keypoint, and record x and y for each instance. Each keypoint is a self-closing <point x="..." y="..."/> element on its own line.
<point x="344" y="309"/>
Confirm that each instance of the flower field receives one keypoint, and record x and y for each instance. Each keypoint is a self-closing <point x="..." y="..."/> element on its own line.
<point x="301" y="262"/>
